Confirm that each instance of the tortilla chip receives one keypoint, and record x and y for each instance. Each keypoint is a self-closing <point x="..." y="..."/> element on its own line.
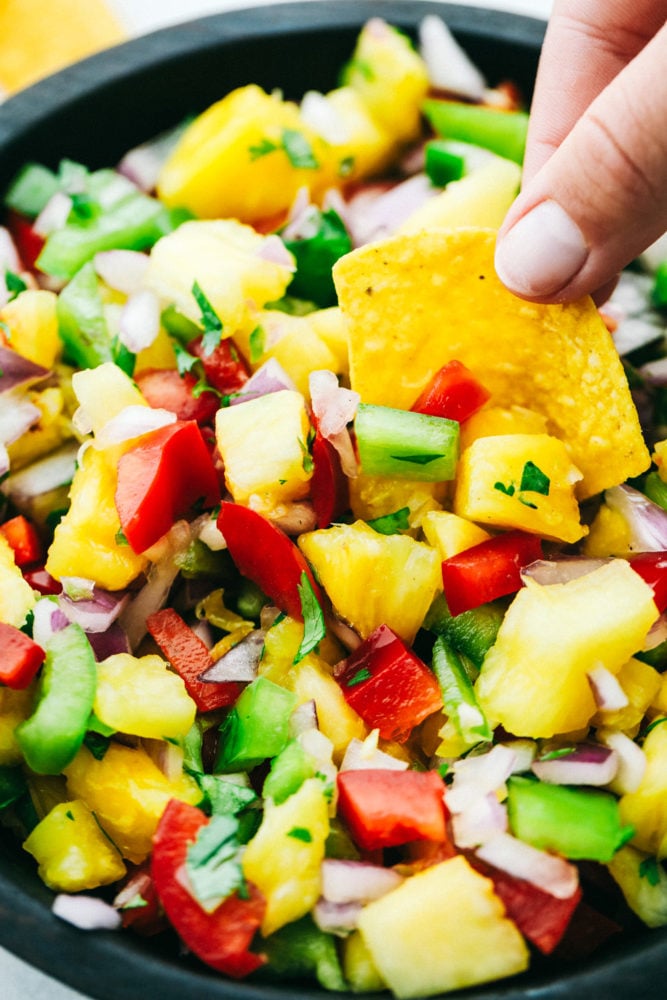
<point x="414" y="302"/>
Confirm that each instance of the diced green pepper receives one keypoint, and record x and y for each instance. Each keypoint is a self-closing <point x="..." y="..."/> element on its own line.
<point x="656" y="490"/>
<point x="31" y="189"/>
<point x="256" y="728"/>
<point x="50" y="738"/>
<point x="81" y="321"/>
<point x="407" y="445"/>
<point x="575" y="822"/>
<point x="659" y="293"/>
<point x="458" y="696"/>
<point x="441" y="164"/>
<point x="473" y="632"/>
<point x="503" y="132"/>
<point x="300" y="948"/>
<point x="288" y="772"/>
<point x="315" y="256"/>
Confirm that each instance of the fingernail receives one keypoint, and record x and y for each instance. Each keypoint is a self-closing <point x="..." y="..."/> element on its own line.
<point x="542" y="252"/>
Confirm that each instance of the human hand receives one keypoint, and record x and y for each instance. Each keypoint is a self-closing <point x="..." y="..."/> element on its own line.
<point x="594" y="192"/>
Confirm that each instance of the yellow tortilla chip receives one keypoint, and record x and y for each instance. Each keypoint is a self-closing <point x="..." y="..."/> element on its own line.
<point x="414" y="302"/>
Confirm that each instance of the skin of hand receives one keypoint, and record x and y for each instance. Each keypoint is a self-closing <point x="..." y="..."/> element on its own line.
<point x="594" y="191"/>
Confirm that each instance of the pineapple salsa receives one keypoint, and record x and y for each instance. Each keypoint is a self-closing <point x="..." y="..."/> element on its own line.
<point x="332" y="632"/>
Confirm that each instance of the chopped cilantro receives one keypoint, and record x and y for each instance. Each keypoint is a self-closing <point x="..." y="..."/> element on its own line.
<point x="136" y="903"/>
<point x="362" y="67"/>
<point x="83" y="208"/>
<point x="301" y="833"/>
<point x="656" y="722"/>
<point x="307" y="457"/>
<point x="213" y="863"/>
<point x="526" y="503"/>
<point x="97" y="744"/>
<point x="257" y="344"/>
<point x="507" y="490"/>
<point x="263" y="148"/>
<point x="211" y="322"/>
<point x="391" y="524"/>
<point x="15" y="284"/>
<point x="314" y="628"/>
<point x="361" y="675"/>
<point x="70" y="814"/>
<point x="185" y="361"/>
<point x="443" y="769"/>
<point x="533" y="480"/>
<point x="298" y="149"/>
<point x="648" y="869"/>
<point x="346" y="166"/>
<point x="417" y="459"/>
<point x="555" y="754"/>
<point x="120" y="538"/>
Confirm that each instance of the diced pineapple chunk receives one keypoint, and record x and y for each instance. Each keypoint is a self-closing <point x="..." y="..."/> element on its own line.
<point x="609" y="535"/>
<point x="264" y="446"/>
<point x="523" y="481"/>
<point x="493" y="420"/>
<point x="358" y="966"/>
<point x="244" y="158"/>
<point x="16" y="595"/>
<point x="51" y="430"/>
<point x="646" y="808"/>
<point x="442" y="929"/>
<point x="450" y="534"/>
<point x="482" y="198"/>
<point x="659" y="702"/>
<point x="295" y="344"/>
<point x="143" y="697"/>
<point x="647" y="897"/>
<point x="330" y="326"/>
<point x="659" y="456"/>
<point x="374" y="579"/>
<point x="72" y="852"/>
<point x="309" y="679"/>
<point x="534" y="678"/>
<point x="128" y="794"/>
<point x="33" y="326"/>
<point x="15" y="707"/>
<point x="640" y="683"/>
<point x="283" y="859"/>
<point x="359" y="145"/>
<point x="103" y="392"/>
<point x="281" y="644"/>
<point x="376" y="496"/>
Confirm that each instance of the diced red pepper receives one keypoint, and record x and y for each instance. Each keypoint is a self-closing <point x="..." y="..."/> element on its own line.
<point x="385" y="808"/>
<point x="224" y="366"/>
<point x="489" y="570"/>
<point x="453" y="392"/>
<point x="541" y="917"/>
<point x="164" y="388"/>
<point x="20" y="657"/>
<point x="138" y="903"/>
<point x="28" y="243"/>
<point x="190" y="657"/>
<point x="24" y="540"/>
<point x="388" y="685"/>
<point x="264" y="554"/>
<point x="161" y="479"/>
<point x="652" y="567"/>
<point x="329" y="490"/>
<point x="41" y="581"/>
<point x="222" y="938"/>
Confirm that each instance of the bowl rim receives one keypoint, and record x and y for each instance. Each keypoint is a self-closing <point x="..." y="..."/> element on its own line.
<point x="118" y="965"/>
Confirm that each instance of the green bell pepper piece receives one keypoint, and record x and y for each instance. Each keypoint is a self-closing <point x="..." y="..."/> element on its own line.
<point x="316" y="255"/>
<point x="406" y="445"/>
<point x="256" y="728"/>
<point x="575" y="822"/>
<point x="473" y="633"/>
<point x="301" y="948"/>
<point x="82" y="324"/>
<point x="50" y="738"/>
<point x="458" y="696"/>
<point x="441" y="164"/>
<point x="659" y="293"/>
<point x="31" y="189"/>
<point x="503" y="132"/>
<point x="288" y="772"/>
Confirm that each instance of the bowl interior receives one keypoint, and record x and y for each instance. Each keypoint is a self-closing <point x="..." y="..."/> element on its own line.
<point x="94" y="112"/>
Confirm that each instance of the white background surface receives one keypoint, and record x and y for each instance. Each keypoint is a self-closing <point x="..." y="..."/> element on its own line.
<point x="17" y="980"/>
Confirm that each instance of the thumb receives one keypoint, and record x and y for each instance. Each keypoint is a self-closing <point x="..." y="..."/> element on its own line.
<point x="601" y="198"/>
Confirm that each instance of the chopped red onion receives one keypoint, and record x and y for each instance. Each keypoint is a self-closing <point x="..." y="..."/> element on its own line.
<point x="167" y="757"/>
<point x="346" y="881"/>
<point x="270" y="377"/>
<point x="333" y="405"/>
<point x="549" y="571"/>
<point x="57" y="469"/>
<point x="88" y="913"/>
<point x="17" y="415"/>
<point x="362" y="755"/>
<point x="275" y="252"/>
<point x="635" y="332"/>
<point x="139" y="322"/>
<point x="482" y="819"/>
<point x="240" y="663"/>
<point x="631" y="761"/>
<point x="524" y="751"/>
<point x="655" y="372"/>
<point x="9" y="256"/>
<point x="54" y="215"/>
<point x="133" y="421"/>
<point x="15" y="370"/>
<point x="143" y="163"/>
<point x="97" y="613"/>
<point x="479" y="775"/>
<point x="303" y="718"/>
<point x="646" y="520"/>
<point x="109" y="643"/>
<point x="268" y="615"/>
<point x="203" y="630"/>
<point x="448" y="66"/>
<point x="138" y="885"/>
<point x="294" y="518"/>
<point x="78" y="588"/>
<point x="548" y="872"/>
<point x="587" y="764"/>
<point x="377" y="210"/>
<point x="607" y="692"/>
<point x="122" y="270"/>
<point x="318" y="112"/>
<point x="47" y="619"/>
<point x="118" y="187"/>
<point x="336" y="918"/>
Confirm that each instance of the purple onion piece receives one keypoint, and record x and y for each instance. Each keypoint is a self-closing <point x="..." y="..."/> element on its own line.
<point x="239" y="663"/>
<point x="587" y="764"/>
<point x="356" y="881"/>
<point x="270" y="377"/>
<point x="17" y="370"/>
<point x="336" y="918"/>
<point x="110" y="642"/>
<point x="95" y="614"/>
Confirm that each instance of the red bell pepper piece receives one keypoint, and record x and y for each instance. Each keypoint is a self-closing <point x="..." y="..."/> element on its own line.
<point x="20" y="657"/>
<point x="329" y="490"/>
<point x="23" y="539"/>
<point x="385" y="808"/>
<point x="138" y="903"/>
<point x="387" y="685"/>
<point x="190" y="657"/>
<point x="28" y="243"/>
<point x="264" y="554"/>
<point x="489" y="570"/>
<point x="41" y="581"/>
<point x="160" y="479"/>
<point x="652" y="567"/>
<point x="541" y="917"/>
<point x="453" y="392"/>
<point x="220" y="939"/>
<point x="164" y="388"/>
<point x="224" y="367"/>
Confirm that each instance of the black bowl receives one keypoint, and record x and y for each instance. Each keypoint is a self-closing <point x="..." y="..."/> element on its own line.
<point x="94" y="111"/>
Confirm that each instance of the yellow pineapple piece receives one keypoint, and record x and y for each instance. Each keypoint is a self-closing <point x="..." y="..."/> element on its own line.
<point x="376" y="496"/>
<point x="522" y="481"/>
<point x="51" y="430"/>
<point x="15" y="707"/>
<point x="128" y="794"/>
<point x="281" y="644"/>
<point x="264" y="446"/>
<point x="374" y="579"/>
<point x="32" y="326"/>
<point x="533" y="680"/>
<point x="295" y="344"/>
<point x="641" y="683"/>
<point x="482" y="198"/>
<point x="647" y="897"/>
<point x="493" y="420"/>
<point x="441" y="929"/>
<point x="659" y="701"/>
<point x="609" y="535"/>
<point x="659" y="456"/>
<point x="283" y="859"/>
<point x="71" y="850"/>
<point x="330" y="326"/>
<point x="160" y="354"/>
<point x="646" y="808"/>
<point x="103" y="392"/>
<point x="309" y="679"/>
<point x="359" y="145"/>
<point x="450" y="534"/>
<point x="142" y="696"/>
<point x="16" y="595"/>
<point x="358" y="967"/>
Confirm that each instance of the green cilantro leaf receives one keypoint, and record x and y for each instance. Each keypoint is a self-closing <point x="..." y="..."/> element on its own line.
<point x="298" y="149"/>
<point x="391" y="524"/>
<point x="212" y="861"/>
<point x="314" y="628"/>
<point x="507" y="490"/>
<point x="533" y="480"/>
<point x="97" y="744"/>
<point x="120" y="538"/>
<point x="417" y="459"/>
<point x="361" y="675"/>
<point x="185" y="361"/>
<point x="263" y="148"/>
<point x="225" y="797"/>
<point x="257" y="344"/>
<point x="301" y="833"/>
<point x="136" y="903"/>
<point x="307" y="457"/>
<point x="211" y="322"/>
<point x="15" y="284"/>
<point x="656" y="722"/>
<point x="526" y="503"/>
<point x="84" y="208"/>
<point x="648" y="869"/>
<point x="555" y="754"/>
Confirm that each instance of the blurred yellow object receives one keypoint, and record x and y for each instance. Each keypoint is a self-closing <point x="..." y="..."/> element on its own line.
<point x="38" y="37"/>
